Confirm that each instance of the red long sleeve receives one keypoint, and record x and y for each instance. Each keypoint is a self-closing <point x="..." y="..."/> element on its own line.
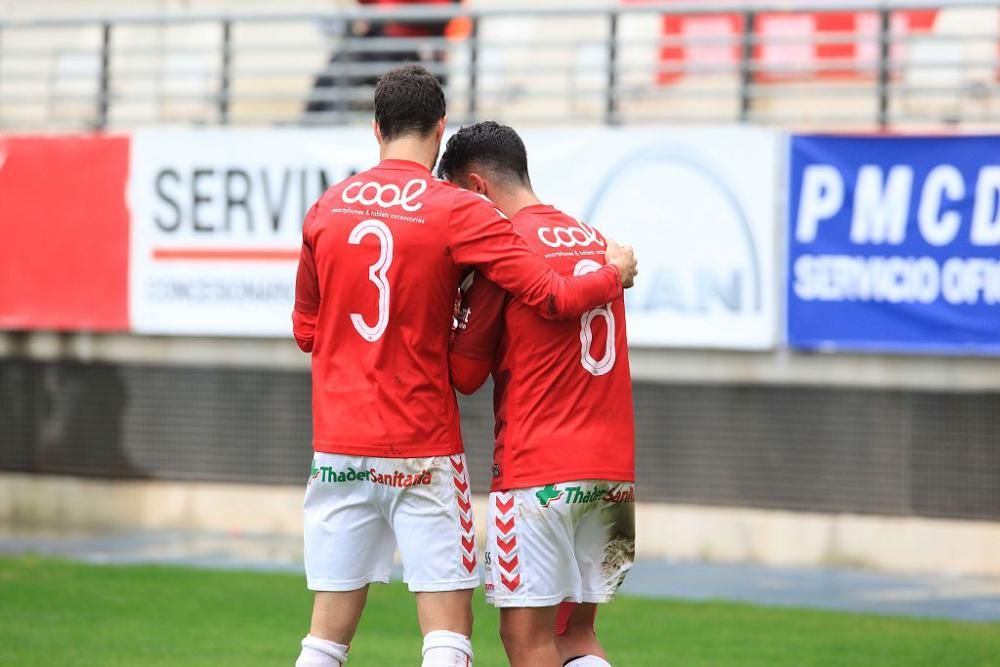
<point x="468" y="375"/>
<point x="480" y="325"/>
<point x="306" y="293"/>
<point x="304" y="330"/>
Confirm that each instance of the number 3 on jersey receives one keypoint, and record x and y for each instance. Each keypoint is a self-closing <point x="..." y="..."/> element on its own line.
<point x="606" y="362"/>
<point x="376" y="273"/>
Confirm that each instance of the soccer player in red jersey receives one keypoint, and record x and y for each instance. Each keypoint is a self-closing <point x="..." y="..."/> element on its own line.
<point x="382" y="255"/>
<point x="562" y="523"/>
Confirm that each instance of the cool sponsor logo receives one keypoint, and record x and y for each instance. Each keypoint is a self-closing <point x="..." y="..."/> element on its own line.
<point x="396" y="478"/>
<point x="568" y="237"/>
<point x="385" y="195"/>
<point x="577" y="495"/>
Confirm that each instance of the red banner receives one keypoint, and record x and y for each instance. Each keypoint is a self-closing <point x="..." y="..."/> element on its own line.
<point x="64" y="233"/>
<point x="820" y="45"/>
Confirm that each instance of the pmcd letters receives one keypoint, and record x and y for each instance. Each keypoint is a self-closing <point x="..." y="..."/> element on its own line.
<point x="883" y="199"/>
<point x="947" y="211"/>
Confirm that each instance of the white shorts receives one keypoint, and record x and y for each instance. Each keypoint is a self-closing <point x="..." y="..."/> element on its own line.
<point x="358" y="509"/>
<point x="573" y="541"/>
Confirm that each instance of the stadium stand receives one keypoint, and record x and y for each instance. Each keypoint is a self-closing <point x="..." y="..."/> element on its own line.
<point x="566" y="62"/>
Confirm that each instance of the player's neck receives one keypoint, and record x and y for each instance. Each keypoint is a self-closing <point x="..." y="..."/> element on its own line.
<point x="415" y="149"/>
<point x="515" y="200"/>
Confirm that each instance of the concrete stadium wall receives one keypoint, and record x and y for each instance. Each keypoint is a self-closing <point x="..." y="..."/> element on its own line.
<point x="794" y="442"/>
<point x="663" y="530"/>
<point x="779" y="367"/>
<point x="698" y="523"/>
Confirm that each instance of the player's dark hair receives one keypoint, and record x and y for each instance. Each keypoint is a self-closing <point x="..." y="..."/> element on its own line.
<point x="408" y="100"/>
<point x="486" y="146"/>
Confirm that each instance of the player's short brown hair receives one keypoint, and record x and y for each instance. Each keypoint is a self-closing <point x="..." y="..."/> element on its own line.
<point x="408" y="100"/>
<point x="486" y="146"/>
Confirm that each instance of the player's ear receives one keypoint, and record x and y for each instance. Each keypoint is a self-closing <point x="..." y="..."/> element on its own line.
<point x="477" y="184"/>
<point x="439" y="130"/>
<point x="378" y="131"/>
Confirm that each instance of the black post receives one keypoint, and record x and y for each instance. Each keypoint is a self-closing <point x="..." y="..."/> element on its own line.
<point x="611" y="106"/>
<point x="225" y="81"/>
<point x="746" y="66"/>
<point x="473" y="66"/>
<point x="884" y="53"/>
<point x="346" y="57"/>
<point x="104" y="84"/>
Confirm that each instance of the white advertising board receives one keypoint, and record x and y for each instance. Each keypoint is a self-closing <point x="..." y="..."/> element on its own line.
<point x="217" y="218"/>
<point x="217" y="224"/>
<point x="700" y="207"/>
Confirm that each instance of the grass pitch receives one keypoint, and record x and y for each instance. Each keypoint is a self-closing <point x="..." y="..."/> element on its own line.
<point x="61" y="614"/>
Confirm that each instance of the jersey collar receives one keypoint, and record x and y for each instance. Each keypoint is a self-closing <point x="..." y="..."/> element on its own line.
<point x="402" y="165"/>
<point x="537" y="208"/>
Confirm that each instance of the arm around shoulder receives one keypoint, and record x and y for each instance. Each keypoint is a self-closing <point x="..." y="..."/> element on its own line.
<point x="481" y="236"/>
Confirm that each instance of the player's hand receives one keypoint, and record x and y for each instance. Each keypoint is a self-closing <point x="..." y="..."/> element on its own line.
<point x="623" y="257"/>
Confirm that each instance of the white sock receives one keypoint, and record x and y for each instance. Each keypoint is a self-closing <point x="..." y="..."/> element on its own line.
<point x="446" y="649"/>
<point x="588" y="661"/>
<point x="318" y="652"/>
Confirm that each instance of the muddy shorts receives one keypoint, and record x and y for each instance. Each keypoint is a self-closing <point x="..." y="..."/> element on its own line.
<point x="573" y="541"/>
<point x="358" y="509"/>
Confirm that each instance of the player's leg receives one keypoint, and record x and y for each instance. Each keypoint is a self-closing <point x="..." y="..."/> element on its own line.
<point x="605" y="552"/>
<point x="432" y="521"/>
<point x="446" y="610"/>
<point x="527" y="637"/>
<point x="576" y="636"/>
<point x="334" y="621"/>
<point x="530" y="569"/>
<point x="348" y="545"/>
<point x="446" y="623"/>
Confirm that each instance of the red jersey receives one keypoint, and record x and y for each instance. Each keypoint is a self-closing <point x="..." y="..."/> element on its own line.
<point x="562" y="389"/>
<point x="382" y="253"/>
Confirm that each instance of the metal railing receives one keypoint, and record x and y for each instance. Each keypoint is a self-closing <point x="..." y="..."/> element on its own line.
<point x="626" y="63"/>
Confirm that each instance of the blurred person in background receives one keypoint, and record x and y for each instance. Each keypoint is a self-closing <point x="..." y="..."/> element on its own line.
<point x="382" y="255"/>
<point x="431" y="55"/>
<point x="561" y="527"/>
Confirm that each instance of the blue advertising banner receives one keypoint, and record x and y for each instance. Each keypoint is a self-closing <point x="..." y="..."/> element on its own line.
<point x="894" y="244"/>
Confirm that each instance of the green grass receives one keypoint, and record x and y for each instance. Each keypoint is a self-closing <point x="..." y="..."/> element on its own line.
<point x="61" y="614"/>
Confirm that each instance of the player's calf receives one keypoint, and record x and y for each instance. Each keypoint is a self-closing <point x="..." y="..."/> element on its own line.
<point x="446" y="621"/>
<point x="526" y="633"/>
<point x="576" y="636"/>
